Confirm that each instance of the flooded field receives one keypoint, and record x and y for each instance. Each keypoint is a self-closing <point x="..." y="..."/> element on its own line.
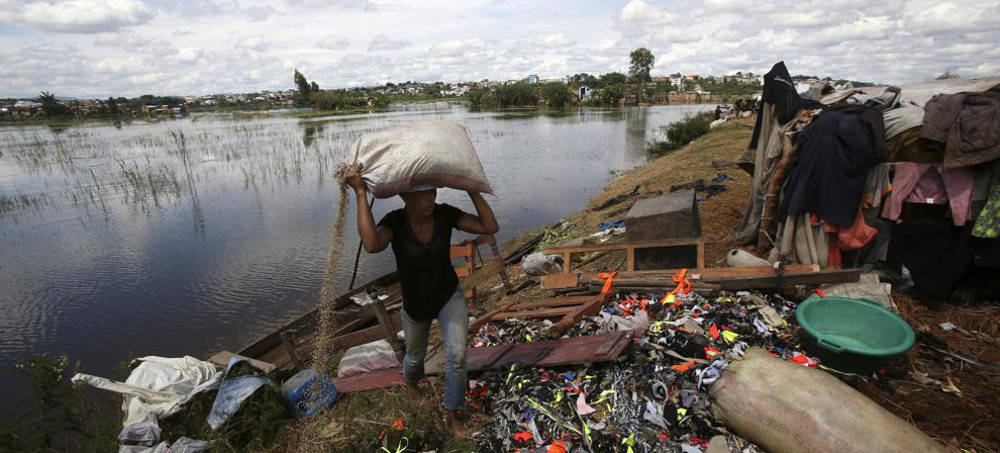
<point x="188" y="236"/>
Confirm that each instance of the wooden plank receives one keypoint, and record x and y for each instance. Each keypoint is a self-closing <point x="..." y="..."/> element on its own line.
<point x="714" y="273"/>
<point x="498" y="355"/>
<point x="619" y="246"/>
<point x="389" y="328"/>
<point x="386" y="378"/>
<point x="543" y="313"/>
<point x="548" y="353"/>
<point x="788" y="279"/>
<point x="474" y="326"/>
<point x="554" y="302"/>
<point x="221" y="360"/>
<point x="630" y="259"/>
<point x="488" y="270"/>
<point x="590" y="308"/>
<point x="607" y="346"/>
<point x="701" y="253"/>
<point x="567" y="262"/>
<point x="366" y="318"/>
<point x="558" y="281"/>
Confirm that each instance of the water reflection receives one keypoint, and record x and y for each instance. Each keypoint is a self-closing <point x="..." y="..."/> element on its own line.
<point x="636" y="127"/>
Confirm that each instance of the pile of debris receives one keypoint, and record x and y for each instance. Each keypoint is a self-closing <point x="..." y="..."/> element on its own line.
<point x="654" y="397"/>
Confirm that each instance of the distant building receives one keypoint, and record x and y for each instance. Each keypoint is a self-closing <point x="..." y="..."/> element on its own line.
<point x="585" y="93"/>
<point x="677" y="80"/>
<point x="532" y="78"/>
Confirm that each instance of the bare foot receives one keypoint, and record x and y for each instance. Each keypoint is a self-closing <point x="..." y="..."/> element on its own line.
<point x="415" y="393"/>
<point x="458" y="428"/>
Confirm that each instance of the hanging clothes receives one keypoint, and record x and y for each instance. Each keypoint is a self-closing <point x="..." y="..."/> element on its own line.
<point x="988" y="223"/>
<point x="780" y="93"/>
<point x="907" y="146"/>
<point x="772" y="187"/>
<point x="873" y="122"/>
<point x="936" y="253"/>
<point x="927" y="183"/>
<point x="967" y="123"/>
<point x="828" y="177"/>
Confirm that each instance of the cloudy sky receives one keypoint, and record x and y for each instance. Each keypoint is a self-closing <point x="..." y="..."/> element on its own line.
<point x="98" y="48"/>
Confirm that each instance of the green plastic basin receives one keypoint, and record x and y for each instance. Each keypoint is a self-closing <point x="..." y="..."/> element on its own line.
<point x="854" y="335"/>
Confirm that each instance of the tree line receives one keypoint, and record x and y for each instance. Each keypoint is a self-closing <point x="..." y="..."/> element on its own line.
<point x="308" y="94"/>
<point x="608" y="89"/>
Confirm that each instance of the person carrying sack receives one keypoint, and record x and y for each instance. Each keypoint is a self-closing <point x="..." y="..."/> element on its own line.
<point x="420" y="235"/>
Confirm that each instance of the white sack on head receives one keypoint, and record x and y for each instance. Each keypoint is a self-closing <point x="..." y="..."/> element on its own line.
<point x="418" y="156"/>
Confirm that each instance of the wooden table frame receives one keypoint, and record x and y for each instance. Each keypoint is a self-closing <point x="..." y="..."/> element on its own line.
<point x="629" y="247"/>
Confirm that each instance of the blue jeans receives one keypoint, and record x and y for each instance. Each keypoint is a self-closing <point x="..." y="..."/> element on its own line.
<point x="454" y="321"/>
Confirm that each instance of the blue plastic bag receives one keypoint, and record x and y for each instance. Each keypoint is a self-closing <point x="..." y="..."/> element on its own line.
<point x="305" y="396"/>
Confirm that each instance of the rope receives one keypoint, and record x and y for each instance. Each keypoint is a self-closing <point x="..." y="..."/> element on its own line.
<point x="357" y="256"/>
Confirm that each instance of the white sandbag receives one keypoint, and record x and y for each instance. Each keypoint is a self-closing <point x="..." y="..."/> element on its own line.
<point x="539" y="263"/>
<point x="158" y="387"/>
<point x="788" y="408"/>
<point x="418" y="156"/>
<point x="743" y="258"/>
<point x="374" y="356"/>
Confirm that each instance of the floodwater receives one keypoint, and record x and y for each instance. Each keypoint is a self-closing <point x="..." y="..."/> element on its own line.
<point x="189" y="236"/>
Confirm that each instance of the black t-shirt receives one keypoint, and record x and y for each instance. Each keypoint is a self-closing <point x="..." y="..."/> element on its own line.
<point x="425" y="272"/>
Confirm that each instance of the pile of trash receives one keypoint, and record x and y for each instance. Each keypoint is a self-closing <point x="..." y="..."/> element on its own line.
<point x="654" y="397"/>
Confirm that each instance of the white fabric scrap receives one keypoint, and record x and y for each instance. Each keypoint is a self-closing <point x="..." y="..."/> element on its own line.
<point x="158" y="387"/>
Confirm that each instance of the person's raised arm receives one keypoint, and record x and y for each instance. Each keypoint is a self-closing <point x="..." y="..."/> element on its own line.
<point x="484" y="222"/>
<point x="375" y="239"/>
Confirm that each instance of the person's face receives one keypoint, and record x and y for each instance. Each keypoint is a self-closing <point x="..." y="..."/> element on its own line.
<point x="421" y="203"/>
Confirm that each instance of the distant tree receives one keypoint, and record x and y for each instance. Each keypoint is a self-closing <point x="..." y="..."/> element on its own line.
<point x="433" y="89"/>
<point x="556" y="95"/>
<point x="612" y="78"/>
<point x="947" y="75"/>
<point x="640" y="64"/>
<point x="303" y="88"/>
<point x="612" y="94"/>
<point x="50" y="106"/>
<point x="313" y="87"/>
<point x="113" y="107"/>
<point x="584" y="79"/>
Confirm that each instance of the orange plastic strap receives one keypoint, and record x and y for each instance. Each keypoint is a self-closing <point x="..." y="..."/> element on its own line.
<point x="609" y="278"/>
<point x="683" y="284"/>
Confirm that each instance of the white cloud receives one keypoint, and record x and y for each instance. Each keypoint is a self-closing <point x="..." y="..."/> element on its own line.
<point x="259" y="13"/>
<point x="255" y="43"/>
<point x="553" y="41"/>
<point x="638" y="11"/>
<point x="382" y="42"/>
<point x="76" y="16"/>
<point x="334" y="42"/>
<point x="211" y="46"/>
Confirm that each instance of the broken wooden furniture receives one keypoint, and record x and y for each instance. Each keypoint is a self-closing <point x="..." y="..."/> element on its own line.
<point x="697" y="259"/>
<point x="666" y="217"/>
<point x="548" y="353"/>
<point x="570" y="310"/>
<point x="472" y="272"/>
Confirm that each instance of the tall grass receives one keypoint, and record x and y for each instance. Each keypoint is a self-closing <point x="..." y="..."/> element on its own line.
<point x="682" y="132"/>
